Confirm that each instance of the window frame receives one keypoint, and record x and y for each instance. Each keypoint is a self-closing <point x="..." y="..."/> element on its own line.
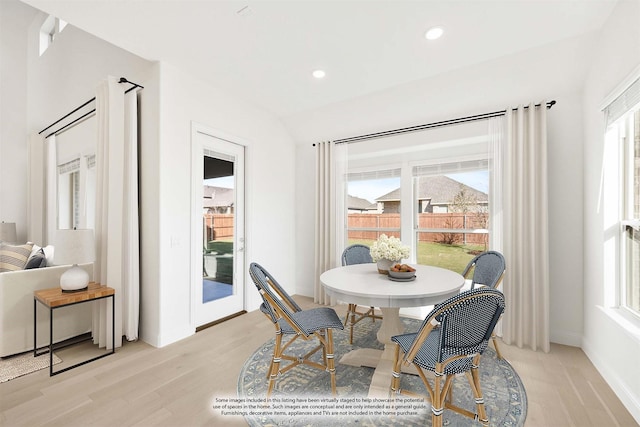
<point x="409" y="230"/>
<point x="382" y="170"/>
<point x="77" y="176"/>
<point x="626" y="147"/>
<point x="49" y="31"/>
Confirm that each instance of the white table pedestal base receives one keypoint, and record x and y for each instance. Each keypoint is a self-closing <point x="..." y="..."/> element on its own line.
<point x="361" y="284"/>
<point x="381" y="360"/>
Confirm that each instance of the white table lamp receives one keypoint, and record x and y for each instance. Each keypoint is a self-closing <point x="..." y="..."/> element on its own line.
<point x="8" y="232"/>
<point x="74" y="247"/>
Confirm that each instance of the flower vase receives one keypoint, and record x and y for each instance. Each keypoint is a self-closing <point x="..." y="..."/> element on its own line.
<point x="384" y="265"/>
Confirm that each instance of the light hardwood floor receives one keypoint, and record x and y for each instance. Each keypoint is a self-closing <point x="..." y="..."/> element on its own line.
<point x="175" y="386"/>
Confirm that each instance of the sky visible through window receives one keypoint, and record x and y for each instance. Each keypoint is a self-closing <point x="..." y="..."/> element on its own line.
<point x="224" y="182"/>
<point x="372" y="189"/>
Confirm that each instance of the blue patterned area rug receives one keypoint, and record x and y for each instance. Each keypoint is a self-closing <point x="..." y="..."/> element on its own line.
<point x="302" y="396"/>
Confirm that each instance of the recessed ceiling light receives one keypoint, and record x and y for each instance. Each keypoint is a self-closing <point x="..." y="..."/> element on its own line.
<point x="434" y="33"/>
<point x="319" y="74"/>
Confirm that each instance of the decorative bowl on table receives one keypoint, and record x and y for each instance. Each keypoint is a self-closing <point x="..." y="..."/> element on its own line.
<point x="402" y="272"/>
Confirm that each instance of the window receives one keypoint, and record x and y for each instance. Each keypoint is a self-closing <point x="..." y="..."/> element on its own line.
<point x="430" y="189"/>
<point x="68" y="192"/>
<point x="630" y="143"/>
<point x="76" y="193"/>
<point x="623" y="172"/>
<point x="451" y="224"/>
<point x="373" y="205"/>
<point x="50" y="28"/>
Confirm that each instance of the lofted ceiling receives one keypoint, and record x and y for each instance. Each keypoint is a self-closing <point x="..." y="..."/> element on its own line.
<point x="265" y="51"/>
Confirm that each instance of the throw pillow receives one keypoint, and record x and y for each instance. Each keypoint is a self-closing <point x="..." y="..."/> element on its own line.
<point x="34" y="249"/>
<point x="37" y="260"/>
<point x="14" y="257"/>
<point x="48" y="253"/>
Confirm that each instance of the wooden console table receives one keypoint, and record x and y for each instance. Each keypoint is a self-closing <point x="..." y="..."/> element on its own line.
<point x="54" y="298"/>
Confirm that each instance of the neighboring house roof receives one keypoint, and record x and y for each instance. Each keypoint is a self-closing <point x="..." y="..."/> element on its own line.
<point x="215" y="197"/>
<point x="357" y="203"/>
<point x="440" y="189"/>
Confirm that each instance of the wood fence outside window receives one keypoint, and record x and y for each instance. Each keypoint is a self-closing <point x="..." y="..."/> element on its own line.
<point x="389" y="224"/>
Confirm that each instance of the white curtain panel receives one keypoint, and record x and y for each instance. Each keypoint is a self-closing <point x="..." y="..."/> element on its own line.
<point x="36" y="205"/>
<point x="496" y="134"/>
<point x="116" y="230"/>
<point x="497" y="143"/>
<point x="51" y="190"/>
<point x="525" y="231"/>
<point x="330" y="211"/>
<point x="131" y="244"/>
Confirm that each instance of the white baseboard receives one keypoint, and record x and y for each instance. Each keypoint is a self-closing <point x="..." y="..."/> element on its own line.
<point x="628" y="399"/>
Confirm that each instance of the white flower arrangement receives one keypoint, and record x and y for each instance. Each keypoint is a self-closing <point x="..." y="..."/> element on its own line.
<point x="390" y="248"/>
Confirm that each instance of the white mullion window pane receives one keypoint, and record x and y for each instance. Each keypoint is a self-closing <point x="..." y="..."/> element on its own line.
<point x="631" y="233"/>
<point x="373" y="205"/>
<point x="397" y="160"/>
<point x="452" y="211"/>
<point x="636" y="165"/>
<point x="69" y="167"/>
<point x="632" y="271"/>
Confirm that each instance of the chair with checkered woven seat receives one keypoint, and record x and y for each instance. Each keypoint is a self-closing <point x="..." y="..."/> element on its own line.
<point x="357" y="254"/>
<point x="450" y="341"/>
<point x="291" y="320"/>
<point x="488" y="270"/>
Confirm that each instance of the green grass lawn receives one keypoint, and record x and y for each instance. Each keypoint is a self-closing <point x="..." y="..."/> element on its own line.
<point x="224" y="266"/>
<point x="220" y="246"/>
<point x="451" y="257"/>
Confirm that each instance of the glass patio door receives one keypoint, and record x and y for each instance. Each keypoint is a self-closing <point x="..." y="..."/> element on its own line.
<point x="217" y="227"/>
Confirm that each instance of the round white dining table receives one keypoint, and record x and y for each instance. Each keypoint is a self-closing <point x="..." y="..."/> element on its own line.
<point x="362" y="284"/>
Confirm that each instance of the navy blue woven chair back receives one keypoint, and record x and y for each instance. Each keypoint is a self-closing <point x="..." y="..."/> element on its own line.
<point x="450" y="341"/>
<point x="467" y="321"/>
<point x="269" y="285"/>
<point x="292" y="322"/>
<point x="489" y="267"/>
<point x="356" y="254"/>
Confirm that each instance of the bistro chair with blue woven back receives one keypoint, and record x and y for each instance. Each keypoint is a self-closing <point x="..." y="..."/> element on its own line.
<point x="450" y="341"/>
<point x="357" y="254"/>
<point x="291" y="320"/>
<point x="488" y="270"/>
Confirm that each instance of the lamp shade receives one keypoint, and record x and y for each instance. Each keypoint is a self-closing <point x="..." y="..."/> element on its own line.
<point x="74" y="247"/>
<point x="8" y="232"/>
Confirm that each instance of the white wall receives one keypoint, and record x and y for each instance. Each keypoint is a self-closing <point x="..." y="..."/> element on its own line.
<point x="37" y="90"/>
<point x="270" y="204"/>
<point x="611" y="347"/>
<point x="14" y="18"/>
<point x="68" y="72"/>
<point x="550" y="72"/>
<point x="66" y="76"/>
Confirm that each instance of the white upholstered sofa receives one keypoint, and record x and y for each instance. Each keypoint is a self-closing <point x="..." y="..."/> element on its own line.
<point x="16" y="310"/>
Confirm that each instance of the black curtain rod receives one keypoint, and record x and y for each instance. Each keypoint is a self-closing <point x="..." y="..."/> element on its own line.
<point x="122" y="80"/>
<point x="429" y="125"/>
<point x="73" y="122"/>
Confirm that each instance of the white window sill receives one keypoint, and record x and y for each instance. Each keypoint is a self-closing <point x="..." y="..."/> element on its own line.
<point x="627" y="321"/>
